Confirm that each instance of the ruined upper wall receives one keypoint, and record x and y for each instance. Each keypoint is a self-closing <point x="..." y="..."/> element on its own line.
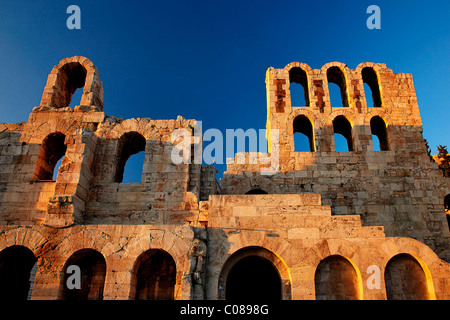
<point x="393" y="96"/>
<point x="94" y="148"/>
<point x="398" y="187"/>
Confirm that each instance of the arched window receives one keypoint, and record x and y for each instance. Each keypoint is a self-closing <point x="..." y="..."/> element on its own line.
<point x="130" y="143"/>
<point x="379" y="130"/>
<point x="71" y="77"/>
<point x="154" y="276"/>
<point x="303" y="134"/>
<point x="16" y="263"/>
<point x="336" y="279"/>
<point x="343" y="137"/>
<point x="338" y="95"/>
<point x="92" y="266"/>
<point x="299" y="87"/>
<point x="370" y="80"/>
<point x="256" y="191"/>
<point x="52" y="150"/>
<point x="405" y="279"/>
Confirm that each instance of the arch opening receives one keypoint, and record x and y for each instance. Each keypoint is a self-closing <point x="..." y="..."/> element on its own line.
<point x="253" y="278"/>
<point x="52" y="150"/>
<point x="153" y="276"/>
<point x="16" y="279"/>
<point x="336" y="76"/>
<point x="299" y="87"/>
<point x="405" y="279"/>
<point x="379" y="130"/>
<point x="342" y="126"/>
<point x="71" y="77"/>
<point x="254" y="273"/>
<point x="92" y="266"/>
<point x="130" y="143"/>
<point x="370" y="79"/>
<point x="303" y="134"/>
<point x="336" y="279"/>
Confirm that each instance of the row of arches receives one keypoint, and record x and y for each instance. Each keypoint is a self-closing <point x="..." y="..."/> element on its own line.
<point x="251" y="273"/>
<point x="129" y="157"/>
<point x="260" y="276"/>
<point x="337" y="87"/>
<point x="344" y="137"/>
<point x="153" y="275"/>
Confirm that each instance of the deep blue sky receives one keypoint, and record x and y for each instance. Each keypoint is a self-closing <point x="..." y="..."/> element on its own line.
<point x="207" y="59"/>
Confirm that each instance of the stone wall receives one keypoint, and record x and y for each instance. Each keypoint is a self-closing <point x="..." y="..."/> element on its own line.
<point x="398" y="187"/>
<point x="328" y="219"/>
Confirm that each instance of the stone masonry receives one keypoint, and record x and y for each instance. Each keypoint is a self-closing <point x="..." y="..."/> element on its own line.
<point x="361" y="224"/>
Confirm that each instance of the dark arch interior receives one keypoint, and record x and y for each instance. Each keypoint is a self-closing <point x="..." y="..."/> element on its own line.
<point x="155" y="277"/>
<point x="16" y="263"/>
<point x="256" y="191"/>
<point x="335" y="279"/>
<point x="130" y="143"/>
<point x="52" y="149"/>
<point x="71" y="77"/>
<point x="253" y="278"/>
<point x="92" y="265"/>
<point x="405" y="279"/>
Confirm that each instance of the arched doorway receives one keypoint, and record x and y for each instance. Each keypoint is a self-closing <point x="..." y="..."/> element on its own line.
<point x="336" y="279"/>
<point x="253" y="278"/>
<point x="16" y="263"/>
<point x="405" y="279"/>
<point x="92" y="266"/>
<point x="154" y="276"/>
<point x="254" y="273"/>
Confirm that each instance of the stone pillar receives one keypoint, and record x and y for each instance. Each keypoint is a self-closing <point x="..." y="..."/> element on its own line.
<point x="67" y="206"/>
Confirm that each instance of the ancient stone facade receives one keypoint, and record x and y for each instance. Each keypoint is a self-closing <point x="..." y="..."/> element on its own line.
<point x="361" y="224"/>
